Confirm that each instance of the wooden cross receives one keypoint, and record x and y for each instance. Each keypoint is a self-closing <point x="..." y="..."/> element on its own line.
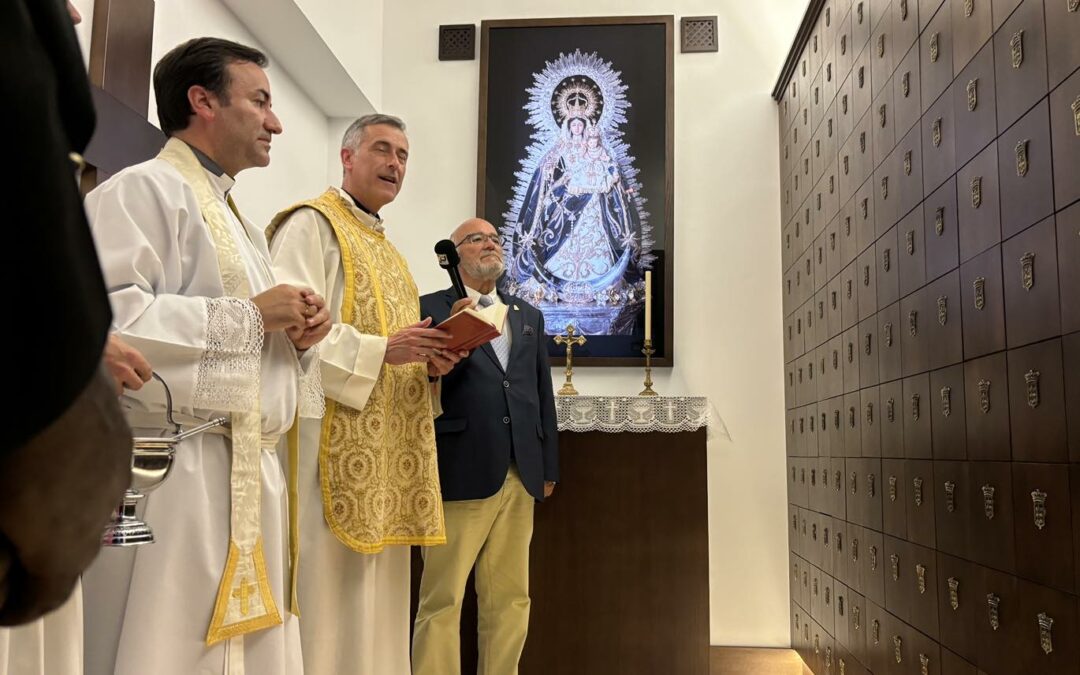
<point x="119" y="70"/>
<point x="243" y="594"/>
<point x="570" y="341"/>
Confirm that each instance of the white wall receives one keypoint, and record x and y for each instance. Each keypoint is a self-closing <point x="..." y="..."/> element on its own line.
<point x="727" y="253"/>
<point x="353" y="31"/>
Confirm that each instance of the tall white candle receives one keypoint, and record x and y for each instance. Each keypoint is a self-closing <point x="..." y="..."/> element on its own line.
<point x="648" y="304"/>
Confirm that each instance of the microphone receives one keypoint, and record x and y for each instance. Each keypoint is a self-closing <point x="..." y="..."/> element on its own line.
<point x="448" y="260"/>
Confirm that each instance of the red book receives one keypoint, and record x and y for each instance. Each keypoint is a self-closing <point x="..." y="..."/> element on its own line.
<point x="472" y="327"/>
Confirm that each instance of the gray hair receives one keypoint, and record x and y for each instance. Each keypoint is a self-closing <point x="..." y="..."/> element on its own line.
<point x="351" y="139"/>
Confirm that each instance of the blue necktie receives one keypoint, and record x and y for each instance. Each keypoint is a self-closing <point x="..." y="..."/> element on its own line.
<point x="500" y="344"/>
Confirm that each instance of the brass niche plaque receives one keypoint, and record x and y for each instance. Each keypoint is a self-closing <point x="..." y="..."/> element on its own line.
<point x="1016" y="47"/>
<point x="1038" y="505"/>
<point x="1046" y="640"/>
<point x="1027" y="271"/>
<point x="993" y="604"/>
<point x="988" y="501"/>
<point x="1031" y="379"/>
<point x="1021" y="150"/>
<point x="954" y="593"/>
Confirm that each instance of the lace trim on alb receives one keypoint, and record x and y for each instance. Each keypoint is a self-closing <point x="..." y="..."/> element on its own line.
<point x="228" y="376"/>
<point x="312" y="400"/>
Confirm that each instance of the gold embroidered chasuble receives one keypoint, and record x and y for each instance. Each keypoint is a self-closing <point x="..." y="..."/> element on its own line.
<point x="244" y="602"/>
<point x="378" y="468"/>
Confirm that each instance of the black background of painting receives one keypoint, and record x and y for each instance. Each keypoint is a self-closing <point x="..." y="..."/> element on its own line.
<point x="638" y="53"/>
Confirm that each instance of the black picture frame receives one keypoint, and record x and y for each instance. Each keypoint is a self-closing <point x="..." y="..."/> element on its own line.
<point x="637" y="52"/>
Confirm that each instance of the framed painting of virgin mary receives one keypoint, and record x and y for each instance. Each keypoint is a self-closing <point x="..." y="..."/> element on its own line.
<point x="575" y="169"/>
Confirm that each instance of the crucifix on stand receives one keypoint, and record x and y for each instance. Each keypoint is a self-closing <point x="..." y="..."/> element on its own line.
<point x="571" y="341"/>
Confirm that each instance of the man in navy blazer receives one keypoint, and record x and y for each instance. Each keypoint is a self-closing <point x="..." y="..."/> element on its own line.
<point x="498" y="452"/>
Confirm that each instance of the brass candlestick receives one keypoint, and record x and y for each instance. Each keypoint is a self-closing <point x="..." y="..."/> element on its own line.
<point x="570" y="340"/>
<point x="648" y="351"/>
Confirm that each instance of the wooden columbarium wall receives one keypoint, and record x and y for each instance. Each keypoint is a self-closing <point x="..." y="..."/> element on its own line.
<point x="930" y="165"/>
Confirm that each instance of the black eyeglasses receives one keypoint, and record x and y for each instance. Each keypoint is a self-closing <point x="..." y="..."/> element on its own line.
<point x="480" y="237"/>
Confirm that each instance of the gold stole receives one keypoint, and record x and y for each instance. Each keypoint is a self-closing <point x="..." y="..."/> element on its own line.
<point x="244" y="603"/>
<point x="377" y="467"/>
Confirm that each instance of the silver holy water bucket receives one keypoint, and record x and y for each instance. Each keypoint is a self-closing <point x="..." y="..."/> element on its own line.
<point x="151" y="460"/>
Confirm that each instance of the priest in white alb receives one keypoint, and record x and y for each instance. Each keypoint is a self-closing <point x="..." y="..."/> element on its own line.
<point x="191" y="287"/>
<point x="372" y="487"/>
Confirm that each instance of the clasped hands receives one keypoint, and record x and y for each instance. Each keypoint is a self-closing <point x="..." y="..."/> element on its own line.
<point x="300" y="312"/>
<point x="420" y="343"/>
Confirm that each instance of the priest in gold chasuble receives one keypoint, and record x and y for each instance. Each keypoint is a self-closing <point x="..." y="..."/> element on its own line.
<point x="368" y="480"/>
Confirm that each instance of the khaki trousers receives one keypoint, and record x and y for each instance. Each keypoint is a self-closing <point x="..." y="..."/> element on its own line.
<point x="493" y="534"/>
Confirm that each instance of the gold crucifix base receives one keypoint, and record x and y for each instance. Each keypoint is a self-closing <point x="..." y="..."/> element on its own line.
<point x="570" y="340"/>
